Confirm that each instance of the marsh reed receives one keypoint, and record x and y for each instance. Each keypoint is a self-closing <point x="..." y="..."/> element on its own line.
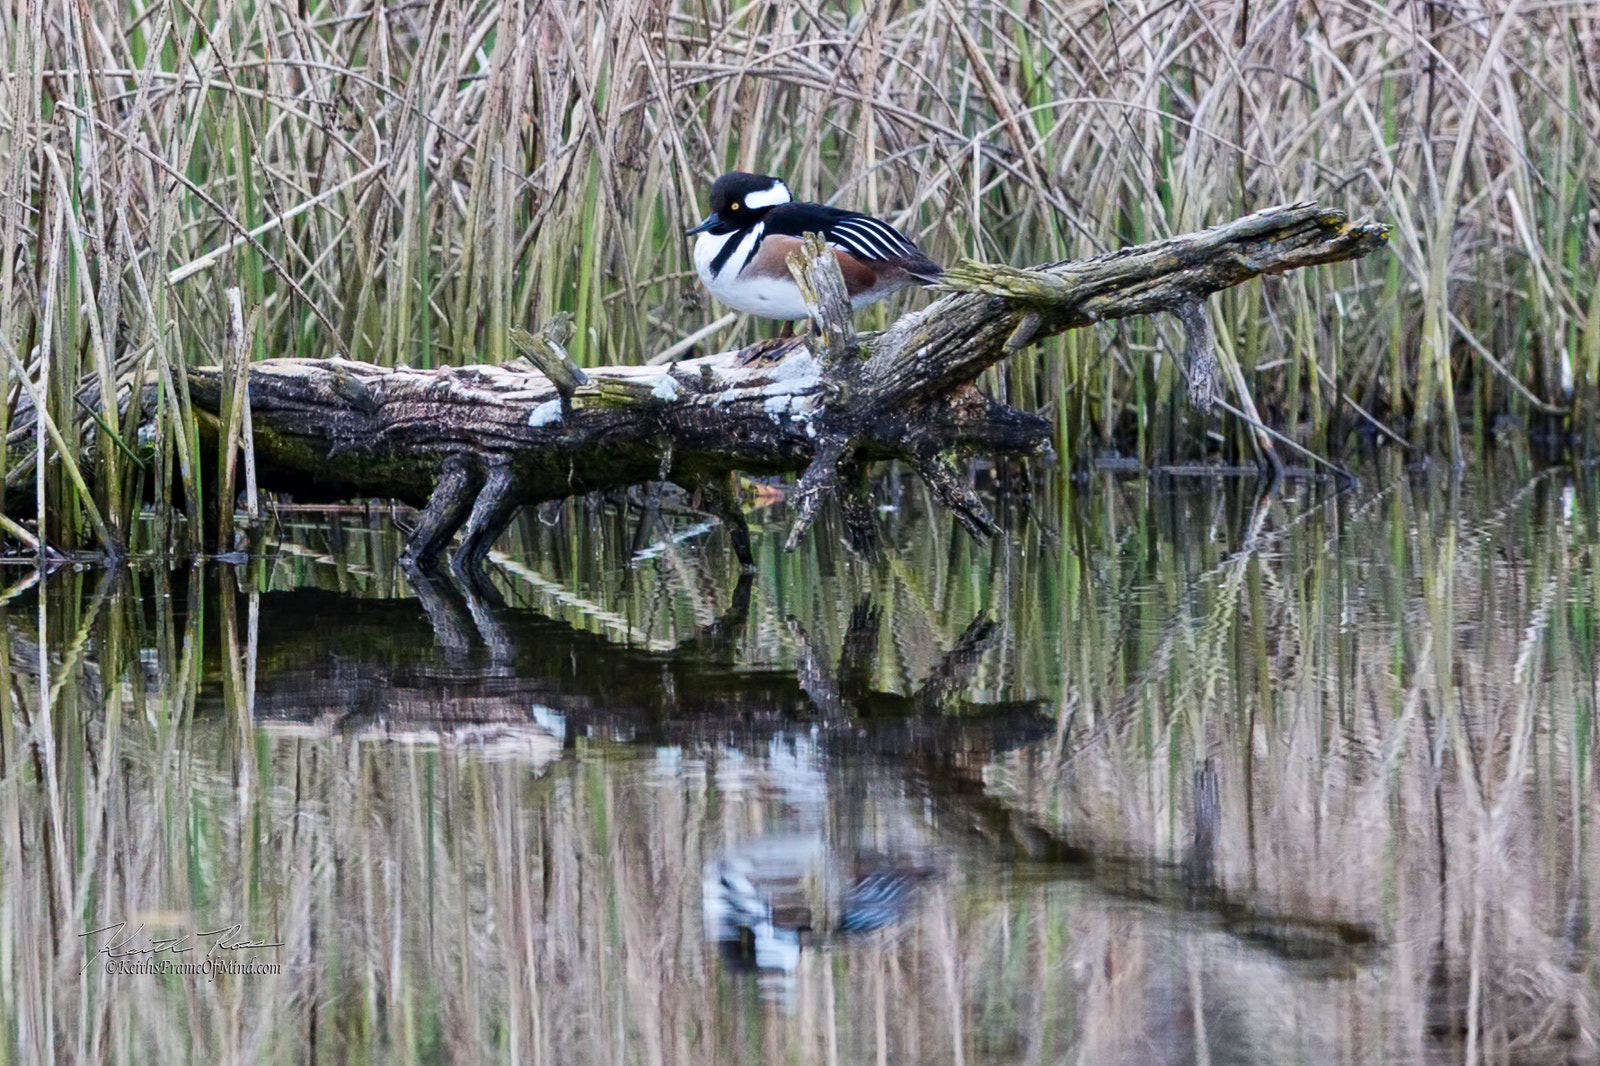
<point x="403" y="184"/>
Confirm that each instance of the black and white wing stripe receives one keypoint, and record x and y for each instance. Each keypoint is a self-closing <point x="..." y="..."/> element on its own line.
<point x="869" y="238"/>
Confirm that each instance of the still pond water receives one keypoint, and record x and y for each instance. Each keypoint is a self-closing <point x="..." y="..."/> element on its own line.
<point x="1173" y="772"/>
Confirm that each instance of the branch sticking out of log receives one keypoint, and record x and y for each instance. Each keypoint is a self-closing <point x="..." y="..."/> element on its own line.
<point x="832" y="342"/>
<point x="547" y="353"/>
<point x="338" y="429"/>
<point x="816" y="485"/>
<point x="950" y="485"/>
<point x="816" y="270"/>
<point x="1200" y="348"/>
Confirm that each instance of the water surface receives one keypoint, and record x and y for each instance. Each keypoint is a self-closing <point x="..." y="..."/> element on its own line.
<point x="1176" y="771"/>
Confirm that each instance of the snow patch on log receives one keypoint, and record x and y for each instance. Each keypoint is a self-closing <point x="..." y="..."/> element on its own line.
<point x="798" y="408"/>
<point x="784" y="388"/>
<point x="797" y="366"/>
<point x="545" y="413"/>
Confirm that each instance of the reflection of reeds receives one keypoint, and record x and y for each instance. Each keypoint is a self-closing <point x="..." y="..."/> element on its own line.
<point x="406" y="189"/>
<point x="1391" y="692"/>
<point x="1380" y="697"/>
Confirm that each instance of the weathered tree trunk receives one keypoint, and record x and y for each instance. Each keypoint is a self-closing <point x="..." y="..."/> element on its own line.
<point x="478" y="442"/>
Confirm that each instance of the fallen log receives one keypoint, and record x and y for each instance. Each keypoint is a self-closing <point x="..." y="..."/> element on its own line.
<point x="478" y="442"/>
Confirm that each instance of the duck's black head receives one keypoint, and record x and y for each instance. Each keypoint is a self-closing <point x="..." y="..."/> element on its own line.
<point x="738" y="200"/>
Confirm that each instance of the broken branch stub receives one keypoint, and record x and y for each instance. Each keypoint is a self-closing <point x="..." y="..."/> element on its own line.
<point x="492" y="438"/>
<point x="1200" y="351"/>
<point x="832" y="343"/>
<point x="815" y="269"/>
<point x="546" y="352"/>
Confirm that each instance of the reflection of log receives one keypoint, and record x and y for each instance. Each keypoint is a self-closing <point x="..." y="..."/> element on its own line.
<point x="452" y="661"/>
<point x="479" y="441"/>
<point x="979" y="818"/>
<point x="456" y="666"/>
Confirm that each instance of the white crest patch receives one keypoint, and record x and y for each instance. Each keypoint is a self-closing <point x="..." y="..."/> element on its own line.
<point x="778" y="194"/>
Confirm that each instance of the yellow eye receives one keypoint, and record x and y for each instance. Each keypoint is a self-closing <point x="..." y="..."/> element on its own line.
<point x="733" y="207"/>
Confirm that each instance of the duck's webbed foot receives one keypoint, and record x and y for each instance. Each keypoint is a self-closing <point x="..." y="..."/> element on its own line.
<point x="773" y="348"/>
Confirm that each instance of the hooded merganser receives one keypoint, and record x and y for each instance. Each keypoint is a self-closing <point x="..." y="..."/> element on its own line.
<point x="758" y="898"/>
<point x="743" y="247"/>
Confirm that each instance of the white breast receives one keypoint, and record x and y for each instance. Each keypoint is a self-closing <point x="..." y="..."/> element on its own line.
<point x="767" y="297"/>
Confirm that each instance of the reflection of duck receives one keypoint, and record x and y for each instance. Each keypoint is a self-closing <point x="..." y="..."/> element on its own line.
<point x="759" y="909"/>
<point x="879" y="899"/>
